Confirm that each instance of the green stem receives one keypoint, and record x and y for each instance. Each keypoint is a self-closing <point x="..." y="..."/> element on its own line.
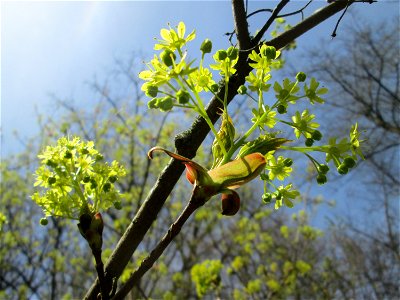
<point x="203" y="113"/>
<point x="242" y="140"/>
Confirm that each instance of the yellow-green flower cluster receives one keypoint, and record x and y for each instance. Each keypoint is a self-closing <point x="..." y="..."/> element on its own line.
<point x="75" y="180"/>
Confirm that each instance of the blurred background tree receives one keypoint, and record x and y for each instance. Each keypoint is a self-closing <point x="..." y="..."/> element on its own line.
<point x="258" y="254"/>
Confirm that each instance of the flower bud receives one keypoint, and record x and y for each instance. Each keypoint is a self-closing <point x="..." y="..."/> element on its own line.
<point x="232" y="53"/>
<point x="151" y="91"/>
<point x="269" y="52"/>
<point x="242" y="90"/>
<point x="281" y="109"/>
<point x="51" y="180"/>
<point x="153" y="103"/>
<point x="206" y="46"/>
<point x="182" y="96"/>
<point x="93" y="183"/>
<point x="107" y="187"/>
<point x="309" y="142"/>
<point x="113" y="178"/>
<point x="44" y="221"/>
<point x="321" y="179"/>
<point x="221" y="55"/>
<point x="68" y="155"/>
<point x="323" y="169"/>
<point x="117" y="205"/>
<point x="301" y="77"/>
<point x="86" y="179"/>
<point x="230" y="203"/>
<point x="165" y="103"/>
<point x="349" y="162"/>
<point x="288" y="162"/>
<point x="343" y="169"/>
<point x="168" y="57"/>
<point x="316" y="135"/>
<point x="50" y="163"/>
<point x="214" y="88"/>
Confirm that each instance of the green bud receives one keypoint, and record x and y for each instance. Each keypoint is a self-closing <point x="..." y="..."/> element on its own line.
<point x="301" y="77"/>
<point x="68" y="155"/>
<point x="153" y="103"/>
<point x="51" y="180"/>
<point x="309" y="142"/>
<point x="44" y="221"/>
<point x="85" y="151"/>
<point x="221" y="55"/>
<point x="349" y="162"/>
<point x="343" y="169"/>
<point x="321" y="179"/>
<point x="113" y="178"/>
<point x="182" y="96"/>
<point x="264" y="177"/>
<point x="206" y="46"/>
<point x="151" y="91"/>
<point x="50" y="163"/>
<point x="214" y="88"/>
<point x="107" y="187"/>
<point x="93" y="183"/>
<point x="232" y="53"/>
<point x="266" y="198"/>
<point x="242" y="90"/>
<point x="288" y="162"/>
<point x="86" y="179"/>
<point x="168" y="57"/>
<point x="316" y="135"/>
<point x="323" y="169"/>
<point x="99" y="157"/>
<point x="281" y="109"/>
<point x="269" y="52"/>
<point x="117" y="205"/>
<point x="165" y="103"/>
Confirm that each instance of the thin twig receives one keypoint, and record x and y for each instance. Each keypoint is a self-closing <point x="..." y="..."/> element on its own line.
<point x="271" y="19"/>
<point x="194" y="203"/>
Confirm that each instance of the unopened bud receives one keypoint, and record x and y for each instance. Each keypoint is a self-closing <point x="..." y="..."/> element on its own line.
<point x="206" y="46"/>
<point x="168" y="57"/>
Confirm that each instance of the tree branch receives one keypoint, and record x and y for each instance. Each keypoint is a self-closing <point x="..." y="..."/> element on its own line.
<point x="187" y="144"/>
<point x="269" y="22"/>
<point x="194" y="203"/>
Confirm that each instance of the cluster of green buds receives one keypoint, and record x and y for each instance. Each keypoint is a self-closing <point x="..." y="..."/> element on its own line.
<point x="76" y="181"/>
<point x="173" y="81"/>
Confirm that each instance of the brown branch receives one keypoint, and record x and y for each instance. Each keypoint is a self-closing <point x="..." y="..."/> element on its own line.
<point x="269" y="22"/>
<point x="194" y="203"/>
<point x="187" y="144"/>
<point x="241" y="25"/>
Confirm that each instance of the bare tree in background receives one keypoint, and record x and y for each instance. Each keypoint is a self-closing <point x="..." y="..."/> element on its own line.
<point x="364" y="81"/>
